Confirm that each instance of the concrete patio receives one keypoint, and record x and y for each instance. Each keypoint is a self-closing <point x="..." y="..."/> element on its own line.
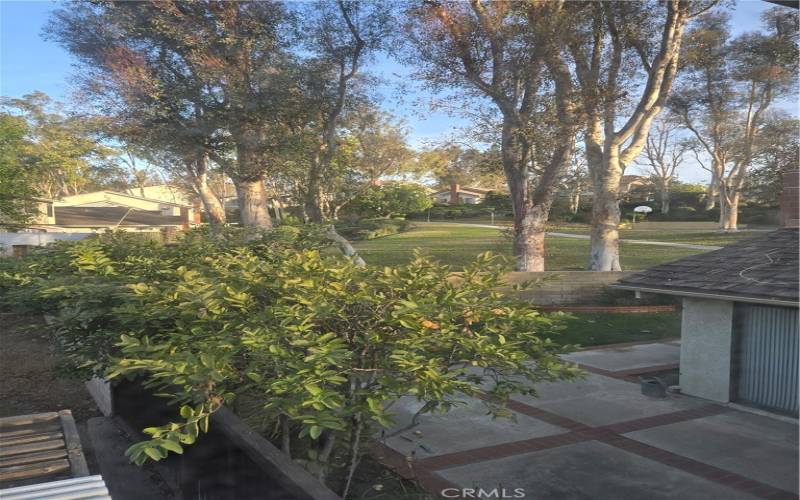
<point x="600" y="438"/>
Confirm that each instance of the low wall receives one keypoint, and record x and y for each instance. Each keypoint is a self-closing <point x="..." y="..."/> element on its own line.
<point x="570" y="287"/>
<point x="9" y="240"/>
<point x="231" y="461"/>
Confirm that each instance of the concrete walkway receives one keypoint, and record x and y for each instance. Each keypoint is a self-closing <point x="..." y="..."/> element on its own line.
<point x="586" y="237"/>
<point x="600" y="438"/>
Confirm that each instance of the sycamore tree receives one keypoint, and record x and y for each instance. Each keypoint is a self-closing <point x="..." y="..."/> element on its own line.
<point x="504" y="58"/>
<point x="625" y="58"/>
<point x="664" y="152"/>
<point x="726" y="93"/>
<point x="341" y="37"/>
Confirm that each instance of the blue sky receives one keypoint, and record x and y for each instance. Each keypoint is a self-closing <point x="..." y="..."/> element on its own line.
<point x="29" y="63"/>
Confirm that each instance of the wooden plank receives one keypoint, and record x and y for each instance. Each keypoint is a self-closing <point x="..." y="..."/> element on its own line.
<point x="30" y="438"/>
<point x="29" y="458"/>
<point x="73" y="443"/>
<point x="8" y="451"/>
<point x="38" y="429"/>
<point x="33" y="470"/>
<point x="8" y="422"/>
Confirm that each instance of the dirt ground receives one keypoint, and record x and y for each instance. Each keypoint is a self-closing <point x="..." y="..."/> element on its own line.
<point x="31" y="380"/>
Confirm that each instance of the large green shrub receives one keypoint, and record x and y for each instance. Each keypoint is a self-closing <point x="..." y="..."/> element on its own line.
<point x="317" y="345"/>
<point x="393" y="199"/>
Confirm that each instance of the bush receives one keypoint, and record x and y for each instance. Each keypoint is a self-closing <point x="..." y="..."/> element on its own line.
<point x="319" y="343"/>
<point x="389" y="200"/>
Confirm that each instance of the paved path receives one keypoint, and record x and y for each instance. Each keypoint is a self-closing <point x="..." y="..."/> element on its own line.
<point x="600" y="438"/>
<point x="586" y="237"/>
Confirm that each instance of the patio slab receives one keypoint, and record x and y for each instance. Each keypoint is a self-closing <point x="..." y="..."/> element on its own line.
<point x="598" y="400"/>
<point x="463" y="428"/>
<point x="754" y="446"/>
<point x="618" y="359"/>
<point x="588" y="470"/>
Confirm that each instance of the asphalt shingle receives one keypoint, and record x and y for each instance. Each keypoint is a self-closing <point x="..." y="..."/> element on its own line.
<point x="764" y="267"/>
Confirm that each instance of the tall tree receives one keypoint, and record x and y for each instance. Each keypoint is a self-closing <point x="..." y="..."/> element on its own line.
<point x="503" y="53"/>
<point x="62" y="153"/>
<point x="341" y="37"/>
<point x="663" y="153"/>
<point x="17" y="182"/>
<point x="777" y="151"/>
<point x="616" y="45"/>
<point x="728" y="88"/>
<point x="202" y="74"/>
<point x="372" y="147"/>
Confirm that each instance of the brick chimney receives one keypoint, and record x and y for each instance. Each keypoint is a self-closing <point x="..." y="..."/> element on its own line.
<point x="790" y="199"/>
<point x="454" y="189"/>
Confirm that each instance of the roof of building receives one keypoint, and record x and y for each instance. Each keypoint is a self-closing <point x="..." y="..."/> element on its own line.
<point x="111" y="216"/>
<point x="126" y="195"/>
<point x="762" y="269"/>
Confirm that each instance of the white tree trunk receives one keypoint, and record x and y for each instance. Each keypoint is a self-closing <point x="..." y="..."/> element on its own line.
<point x="253" y="204"/>
<point x="729" y="217"/>
<point x="604" y="240"/>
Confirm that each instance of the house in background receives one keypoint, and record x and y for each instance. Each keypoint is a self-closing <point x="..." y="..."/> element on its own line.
<point x="79" y="216"/>
<point x="163" y="192"/>
<point x="118" y="199"/>
<point x="739" y="328"/>
<point x="458" y="195"/>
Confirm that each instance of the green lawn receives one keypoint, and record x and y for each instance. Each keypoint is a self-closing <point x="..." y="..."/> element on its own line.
<point x="693" y="237"/>
<point x="458" y="245"/>
<point x="588" y="329"/>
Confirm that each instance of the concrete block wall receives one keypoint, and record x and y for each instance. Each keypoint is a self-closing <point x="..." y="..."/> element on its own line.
<point x="567" y="287"/>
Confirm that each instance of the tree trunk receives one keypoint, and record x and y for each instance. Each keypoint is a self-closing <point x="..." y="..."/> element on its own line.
<point x="313" y="198"/>
<point x="529" y="234"/>
<point x="712" y="192"/>
<point x="729" y="217"/>
<point x="214" y="207"/>
<point x="253" y="203"/>
<point x="664" y="200"/>
<point x="575" y="201"/>
<point x="604" y="241"/>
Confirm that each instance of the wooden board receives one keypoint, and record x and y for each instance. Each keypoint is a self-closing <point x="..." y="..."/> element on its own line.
<point x="39" y="448"/>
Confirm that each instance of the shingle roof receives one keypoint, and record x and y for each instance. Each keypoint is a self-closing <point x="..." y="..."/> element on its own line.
<point x="764" y="268"/>
<point x="111" y="216"/>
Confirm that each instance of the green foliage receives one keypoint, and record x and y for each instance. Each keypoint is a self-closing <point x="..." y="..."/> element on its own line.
<point x="16" y="181"/>
<point x="322" y="344"/>
<point x="390" y="200"/>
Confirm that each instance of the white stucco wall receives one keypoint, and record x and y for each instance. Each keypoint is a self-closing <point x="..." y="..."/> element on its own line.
<point x="706" y="348"/>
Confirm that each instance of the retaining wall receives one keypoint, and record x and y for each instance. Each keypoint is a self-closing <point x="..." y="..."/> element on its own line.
<point x="571" y="287"/>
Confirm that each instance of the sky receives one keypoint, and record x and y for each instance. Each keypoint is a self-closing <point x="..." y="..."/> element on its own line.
<point x="28" y="63"/>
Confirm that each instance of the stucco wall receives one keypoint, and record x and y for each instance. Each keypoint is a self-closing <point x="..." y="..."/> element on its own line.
<point x="706" y="348"/>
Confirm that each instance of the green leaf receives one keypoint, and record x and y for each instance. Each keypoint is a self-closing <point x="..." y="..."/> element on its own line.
<point x="172" y="446"/>
<point x="315" y="431"/>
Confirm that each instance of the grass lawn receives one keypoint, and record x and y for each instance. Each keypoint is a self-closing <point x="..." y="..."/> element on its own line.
<point x="458" y="245"/>
<point x="589" y="329"/>
<point x="694" y="237"/>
